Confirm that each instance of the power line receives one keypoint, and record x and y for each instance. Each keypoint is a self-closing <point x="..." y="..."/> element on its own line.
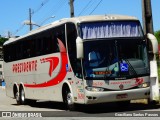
<point x="20" y="28"/>
<point x="90" y="6"/>
<point x="32" y="13"/>
<point x="85" y="8"/>
<point x="96" y="7"/>
<point x="41" y="5"/>
<point x="54" y="9"/>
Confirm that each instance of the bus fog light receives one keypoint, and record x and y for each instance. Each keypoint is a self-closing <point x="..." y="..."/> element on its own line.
<point x="94" y="89"/>
<point x="144" y="85"/>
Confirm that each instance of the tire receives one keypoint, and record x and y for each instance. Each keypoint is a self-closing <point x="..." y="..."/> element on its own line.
<point x="17" y="97"/>
<point x="22" y="97"/>
<point x="68" y="100"/>
<point x="152" y="103"/>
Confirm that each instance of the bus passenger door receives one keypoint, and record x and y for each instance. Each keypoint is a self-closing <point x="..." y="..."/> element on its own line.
<point x="79" y="95"/>
<point x="77" y="85"/>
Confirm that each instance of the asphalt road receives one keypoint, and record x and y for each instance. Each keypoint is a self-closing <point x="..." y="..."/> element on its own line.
<point x="54" y="109"/>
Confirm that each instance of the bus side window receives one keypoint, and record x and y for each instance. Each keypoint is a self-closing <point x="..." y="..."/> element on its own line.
<point x="71" y="42"/>
<point x="60" y="34"/>
<point x="54" y="42"/>
<point x="32" y="47"/>
<point x="6" y="53"/>
<point x="38" y="49"/>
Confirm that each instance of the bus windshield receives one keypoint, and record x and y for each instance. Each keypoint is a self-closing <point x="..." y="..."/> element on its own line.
<point x="115" y="59"/>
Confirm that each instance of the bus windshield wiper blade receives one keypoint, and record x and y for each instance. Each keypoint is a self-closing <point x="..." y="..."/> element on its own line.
<point x="131" y="67"/>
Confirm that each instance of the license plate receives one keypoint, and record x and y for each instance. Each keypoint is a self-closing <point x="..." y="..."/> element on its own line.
<point x="121" y="96"/>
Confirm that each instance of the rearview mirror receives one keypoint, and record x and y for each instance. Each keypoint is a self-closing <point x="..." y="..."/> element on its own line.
<point x="154" y="43"/>
<point x="79" y="46"/>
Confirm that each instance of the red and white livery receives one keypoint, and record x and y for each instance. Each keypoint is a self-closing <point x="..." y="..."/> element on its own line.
<point x="83" y="60"/>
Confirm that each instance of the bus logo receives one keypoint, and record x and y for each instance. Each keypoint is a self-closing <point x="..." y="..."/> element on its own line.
<point x="121" y="86"/>
<point x="53" y="63"/>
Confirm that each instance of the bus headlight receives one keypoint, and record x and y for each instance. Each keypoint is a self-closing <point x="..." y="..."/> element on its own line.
<point x="144" y="85"/>
<point x="95" y="89"/>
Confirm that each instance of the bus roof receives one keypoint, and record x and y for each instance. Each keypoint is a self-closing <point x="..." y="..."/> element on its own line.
<point x="75" y="20"/>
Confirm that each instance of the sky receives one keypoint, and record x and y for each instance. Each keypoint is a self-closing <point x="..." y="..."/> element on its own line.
<point x="13" y="13"/>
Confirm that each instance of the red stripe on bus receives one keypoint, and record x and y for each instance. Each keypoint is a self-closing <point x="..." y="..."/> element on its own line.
<point x="62" y="73"/>
<point x="53" y="63"/>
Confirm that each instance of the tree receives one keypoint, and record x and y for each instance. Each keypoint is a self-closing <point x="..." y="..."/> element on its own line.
<point x="157" y="35"/>
<point x="2" y="40"/>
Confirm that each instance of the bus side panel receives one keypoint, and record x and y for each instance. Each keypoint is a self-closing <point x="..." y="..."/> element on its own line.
<point x="9" y="87"/>
<point x="9" y="79"/>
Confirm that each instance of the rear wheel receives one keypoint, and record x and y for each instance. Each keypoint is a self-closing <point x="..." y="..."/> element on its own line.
<point x="22" y="97"/>
<point x="17" y="97"/>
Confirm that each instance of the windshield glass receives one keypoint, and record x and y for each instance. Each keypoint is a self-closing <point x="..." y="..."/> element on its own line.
<point x="112" y="59"/>
<point x="110" y="29"/>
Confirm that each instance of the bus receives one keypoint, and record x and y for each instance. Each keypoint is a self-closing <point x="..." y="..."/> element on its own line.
<point x="82" y="60"/>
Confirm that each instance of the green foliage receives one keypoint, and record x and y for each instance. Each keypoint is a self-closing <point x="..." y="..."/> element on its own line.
<point x="2" y="40"/>
<point x="157" y="35"/>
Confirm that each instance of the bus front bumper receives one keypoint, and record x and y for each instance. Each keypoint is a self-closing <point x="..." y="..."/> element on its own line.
<point x="113" y="96"/>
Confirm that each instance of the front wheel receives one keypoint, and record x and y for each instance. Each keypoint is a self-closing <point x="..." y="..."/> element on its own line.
<point x="69" y="101"/>
<point x="152" y="103"/>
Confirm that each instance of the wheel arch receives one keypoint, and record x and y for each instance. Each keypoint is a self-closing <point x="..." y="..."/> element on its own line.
<point x="65" y="86"/>
<point x="21" y="85"/>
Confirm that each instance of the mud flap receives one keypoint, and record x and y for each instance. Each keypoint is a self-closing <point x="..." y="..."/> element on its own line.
<point x="154" y="84"/>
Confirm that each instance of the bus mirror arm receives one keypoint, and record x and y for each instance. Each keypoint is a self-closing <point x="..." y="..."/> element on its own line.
<point x="154" y="84"/>
<point x="154" y="44"/>
<point x="79" y="47"/>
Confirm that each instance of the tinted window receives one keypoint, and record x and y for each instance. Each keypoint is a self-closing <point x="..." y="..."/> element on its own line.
<point x="36" y="45"/>
<point x="71" y="42"/>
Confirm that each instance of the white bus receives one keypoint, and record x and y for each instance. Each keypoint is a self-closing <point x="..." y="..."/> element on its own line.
<point x="81" y="60"/>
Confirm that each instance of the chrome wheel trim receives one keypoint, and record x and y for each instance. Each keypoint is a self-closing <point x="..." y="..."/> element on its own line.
<point x="17" y="96"/>
<point x="22" y="95"/>
<point x="69" y="99"/>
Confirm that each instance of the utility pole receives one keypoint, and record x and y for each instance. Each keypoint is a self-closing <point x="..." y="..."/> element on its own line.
<point x="30" y="19"/>
<point x="9" y="34"/>
<point x="71" y="8"/>
<point x="147" y="16"/>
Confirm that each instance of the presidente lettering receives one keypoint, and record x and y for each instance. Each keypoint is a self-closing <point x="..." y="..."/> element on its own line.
<point x="23" y="67"/>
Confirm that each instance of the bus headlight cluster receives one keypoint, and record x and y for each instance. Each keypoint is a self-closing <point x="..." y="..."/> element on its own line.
<point x="94" y="89"/>
<point x="144" y="85"/>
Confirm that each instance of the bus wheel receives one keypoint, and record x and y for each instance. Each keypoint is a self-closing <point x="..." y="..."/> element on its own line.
<point x="17" y="97"/>
<point x="22" y="97"/>
<point x="69" y="101"/>
<point x="152" y="103"/>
